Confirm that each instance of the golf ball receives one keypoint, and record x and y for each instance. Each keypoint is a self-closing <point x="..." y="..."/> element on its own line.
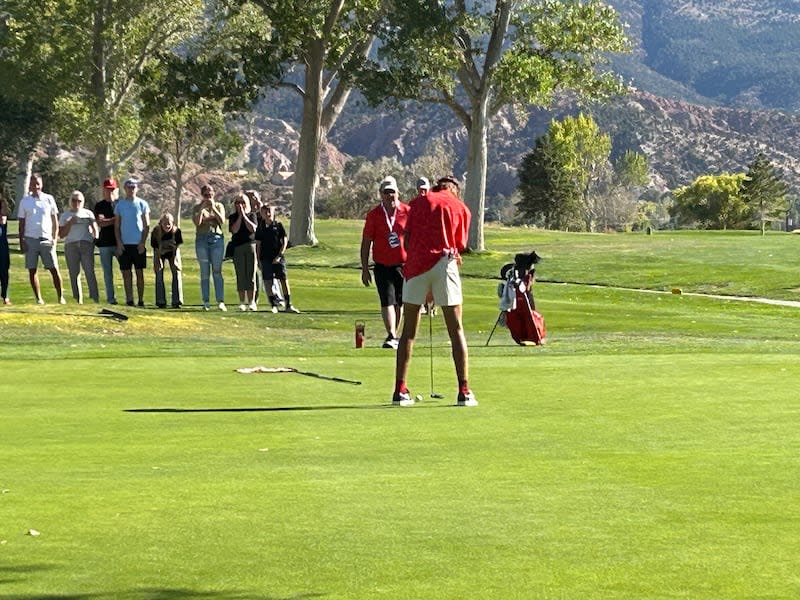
<point x="418" y="397"/>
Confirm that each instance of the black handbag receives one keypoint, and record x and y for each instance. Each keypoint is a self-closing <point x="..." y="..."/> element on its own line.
<point x="229" y="250"/>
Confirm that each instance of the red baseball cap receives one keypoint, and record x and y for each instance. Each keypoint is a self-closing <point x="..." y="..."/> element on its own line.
<point x="110" y="184"/>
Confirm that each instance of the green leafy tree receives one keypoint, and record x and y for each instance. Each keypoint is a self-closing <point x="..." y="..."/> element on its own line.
<point x="764" y="190"/>
<point x="323" y="42"/>
<point x="85" y="60"/>
<point x="188" y="139"/>
<point x="712" y="202"/>
<point x="559" y="180"/>
<point x="547" y="197"/>
<point x="631" y="170"/>
<point x="122" y="38"/>
<point x="585" y="151"/>
<point x="38" y="58"/>
<point x="618" y="203"/>
<point x="478" y="57"/>
<point x="192" y="94"/>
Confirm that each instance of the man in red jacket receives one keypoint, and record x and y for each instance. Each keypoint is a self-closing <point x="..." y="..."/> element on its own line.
<point x="437" y="233"/>
<point x="384" y="232"/>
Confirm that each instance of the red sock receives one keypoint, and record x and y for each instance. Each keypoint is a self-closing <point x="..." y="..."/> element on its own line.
<point x="463" y="388"/>
<point x="400" y="386"/>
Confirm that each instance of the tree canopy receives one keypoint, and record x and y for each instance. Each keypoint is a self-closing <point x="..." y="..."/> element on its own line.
<point x="478" y="57"/>
<point x="712" y="202"/>
<point x="560" y="177"/>
<point x="323" y="42"/>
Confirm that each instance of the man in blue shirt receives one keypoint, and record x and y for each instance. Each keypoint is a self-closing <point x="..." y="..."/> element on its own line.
<point x="132" y="226"/>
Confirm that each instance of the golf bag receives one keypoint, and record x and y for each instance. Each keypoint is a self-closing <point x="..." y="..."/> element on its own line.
<point x="517" y="306"/>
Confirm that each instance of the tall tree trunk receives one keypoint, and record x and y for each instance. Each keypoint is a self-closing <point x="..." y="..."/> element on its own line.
<point x="102" y="157"/>
<point x="477" y="160"/>
<point x="22" y="178"/>
<point x="306" y="176"/>
<point x="102" y="162"/>
<point x="180" y="172"/>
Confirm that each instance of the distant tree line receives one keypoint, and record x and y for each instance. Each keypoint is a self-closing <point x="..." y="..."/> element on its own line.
<point x="125" y="80"/>
<point x="734" y="201"/>
<point x="569" y="181"/>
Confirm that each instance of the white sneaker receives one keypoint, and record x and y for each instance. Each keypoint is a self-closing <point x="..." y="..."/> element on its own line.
<point x="39" y="301"/>
<point x="253" y="306"/>
<point x="467" y="399"/>
<point x="222" y="307"/>
<point x="402" y="399"/>
<point x="206" y="306"/>
<point x="242" y="307"/>
<point x="62" y="300"/>
<point x="274" y="309"/>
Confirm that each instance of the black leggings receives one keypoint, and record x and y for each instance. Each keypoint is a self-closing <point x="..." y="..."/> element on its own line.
<point x="5" y="264"/>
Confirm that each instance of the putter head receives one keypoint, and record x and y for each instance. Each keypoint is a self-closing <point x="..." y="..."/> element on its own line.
<point x="437" y="396"/>
<point x="112" y="314"/>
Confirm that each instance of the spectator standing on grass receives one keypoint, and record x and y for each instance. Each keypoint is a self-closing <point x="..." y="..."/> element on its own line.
<point x="255" y="212"/>
<point x="38" y="233"/>
<point x="384" y="233"/>
<point x="78" y="227"/>
<point x="132" y="226"/>
<point x="242" y="226"/>
<point x="5" y="252"/>
<point x="165" y="241"/>
<point x="437" y="229"/>
<point x="271" y="244"/>
<point x="107" y="239"/>
<point x="209" y="245"/>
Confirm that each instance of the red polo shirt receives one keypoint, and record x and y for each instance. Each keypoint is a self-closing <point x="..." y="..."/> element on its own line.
<point x="376" y="228"/>
<point x="438" y="224"/>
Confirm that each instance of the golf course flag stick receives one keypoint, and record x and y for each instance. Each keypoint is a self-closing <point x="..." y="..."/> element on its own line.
<point x="261" y="369"/>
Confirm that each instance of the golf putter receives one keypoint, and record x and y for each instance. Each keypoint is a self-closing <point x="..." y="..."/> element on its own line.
<point x="430" y="346"/>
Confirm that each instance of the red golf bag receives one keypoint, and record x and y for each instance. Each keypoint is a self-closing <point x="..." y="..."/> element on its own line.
<point x="517" y="306"/>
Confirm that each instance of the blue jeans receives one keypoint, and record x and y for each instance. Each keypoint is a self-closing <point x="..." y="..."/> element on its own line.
<point x="210" y="250"/>
<point x="107" y="254"/>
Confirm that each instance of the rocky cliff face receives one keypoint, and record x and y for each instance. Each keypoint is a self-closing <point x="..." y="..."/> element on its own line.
<point x="683" y="140"/>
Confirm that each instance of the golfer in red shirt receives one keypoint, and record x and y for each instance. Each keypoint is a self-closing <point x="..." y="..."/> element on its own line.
<point x="384" y="232"/>
<point x="437" y="233"/>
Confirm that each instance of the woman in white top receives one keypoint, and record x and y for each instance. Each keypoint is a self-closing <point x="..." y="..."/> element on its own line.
<point x="78" y="228"/>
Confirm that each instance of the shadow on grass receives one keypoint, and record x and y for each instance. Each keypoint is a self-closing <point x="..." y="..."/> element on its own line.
<point x="279" y="408"/>
<point x="161" y="594"/>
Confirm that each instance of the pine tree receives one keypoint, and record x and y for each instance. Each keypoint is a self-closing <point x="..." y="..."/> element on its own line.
<point x="764" y="190"/>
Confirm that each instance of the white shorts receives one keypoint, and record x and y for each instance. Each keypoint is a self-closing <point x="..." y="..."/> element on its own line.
<point x="443" y="280"/>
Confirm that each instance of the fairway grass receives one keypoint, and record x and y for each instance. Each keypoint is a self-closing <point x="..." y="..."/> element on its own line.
<point x="648" y="450"/>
